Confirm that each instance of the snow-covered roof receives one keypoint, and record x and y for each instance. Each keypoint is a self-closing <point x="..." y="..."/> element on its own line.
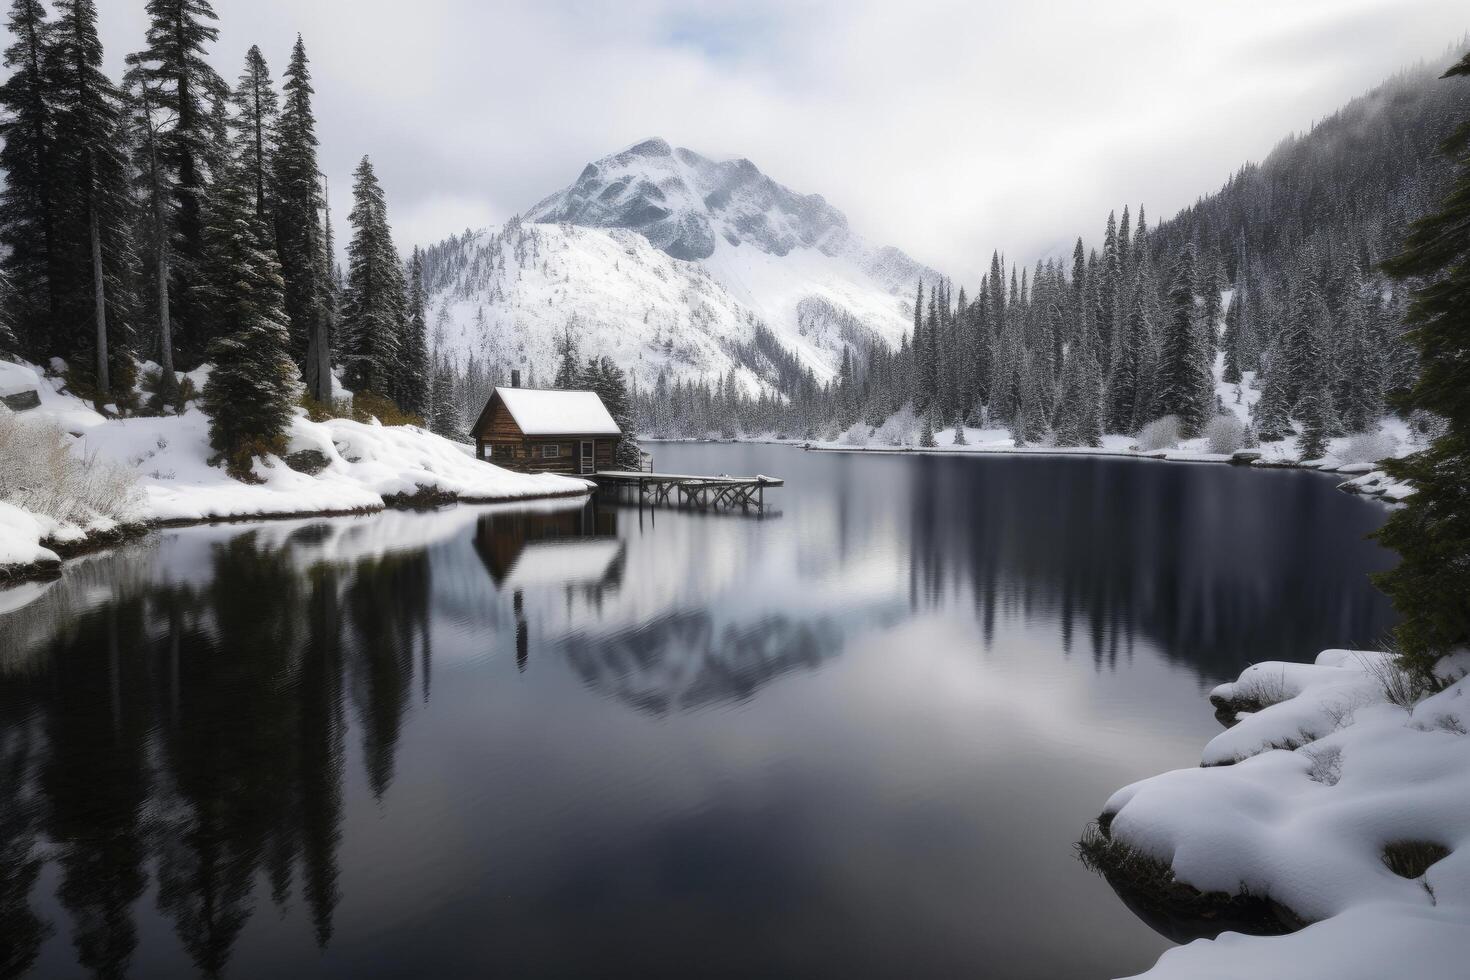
<point x="543" y="412"/>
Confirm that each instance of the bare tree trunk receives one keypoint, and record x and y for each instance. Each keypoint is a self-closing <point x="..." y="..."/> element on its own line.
<point x="318" y="339"/>
<point x="99" y="297"/>
<point x="168" y="393"/>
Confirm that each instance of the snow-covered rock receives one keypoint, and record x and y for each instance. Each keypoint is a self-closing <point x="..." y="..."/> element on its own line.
<point x="1350" y="767"/>
<point x="20" y="387"/>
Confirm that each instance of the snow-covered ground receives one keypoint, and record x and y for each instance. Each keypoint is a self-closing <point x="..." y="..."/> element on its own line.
<point x="1339" y="770"/>
<point x="362" y="467"/>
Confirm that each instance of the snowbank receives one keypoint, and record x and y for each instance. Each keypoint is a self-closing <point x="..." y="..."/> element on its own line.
<point x="1307" y="802"/>
<point x="365" y="465"/>
<point x="21" y="533"/>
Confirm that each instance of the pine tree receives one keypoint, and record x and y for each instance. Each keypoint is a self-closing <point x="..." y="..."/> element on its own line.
<point x="1135" y="337"/>
<point x="413" y="383"/>
<point x="27" y="202"/>
<point x="372" y="308"/>
<point x="1312" y="411"/>
<point x="1232" y="339"/>
<point x="254" y="384"/>
<point x="1183" y="375"/>
<point x="94" y="267"/>
<point x="446" y="419"/>
<point x="1271" y="417"/>
<point x="155" y="231"/>
<point x="300" y="238"/>
<point x="257" y="111"/>
<point x="603" y="376"/>
<point x="190" y="95"/>
<point x="1431" y="584"/>
<point x="568" y="374"/>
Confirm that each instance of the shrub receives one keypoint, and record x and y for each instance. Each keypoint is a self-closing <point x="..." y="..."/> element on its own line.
<point x="1369" y="447"/>
<point x="40" y="473"/>
<point x="900" y="429"/>
<point x="1401" y="684"/>
<point x="1163" y="433"/>
<point x="370" y="404"/>
<point x="1411" y="858"/>
<point x="856" y="435"/>
<point x="1224" y="434"/>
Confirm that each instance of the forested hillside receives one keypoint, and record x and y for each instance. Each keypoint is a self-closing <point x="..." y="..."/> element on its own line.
<point x="1271" y="283"/>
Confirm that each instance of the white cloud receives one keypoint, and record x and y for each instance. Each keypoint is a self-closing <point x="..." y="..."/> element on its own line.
<point x="945" y="128"/>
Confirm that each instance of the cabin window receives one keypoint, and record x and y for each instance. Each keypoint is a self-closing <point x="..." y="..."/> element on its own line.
<point x="550" y="450"/>
<point x="502" y="451"/>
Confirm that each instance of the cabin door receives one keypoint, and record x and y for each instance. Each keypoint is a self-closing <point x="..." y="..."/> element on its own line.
<point x="585" y="463"/>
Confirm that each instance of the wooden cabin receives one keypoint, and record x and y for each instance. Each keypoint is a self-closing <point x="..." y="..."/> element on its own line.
<point x="537" y="430"/>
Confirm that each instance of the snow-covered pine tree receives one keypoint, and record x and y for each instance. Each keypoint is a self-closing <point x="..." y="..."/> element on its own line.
<point x="1135" y="338"/>
<point x="257" y="112"/>
<point x="1430" y="587"/>
<point x="447" y="420"/>
<point x="413" y="374"/>
<point x="27" y="200"/>
<point x="1315" y="418"/>
<point x="568" y="374"/>
<point x="190" y="95"/>
<point x="603" y="376"/>
<point x="1271" y="416"/>
<point x="1231" y="341"/>
<point x="254" y="384"/>
<point x="300" y="237"/>
<point x="372" y="306"/>
<point x="1183" y="374"/>
<point x="1359" y="388"/>
<point x="926" y="434"/>
<point x="1300" y="347"/>
<point x="94" y="269"/>
<point x="155" y="227"/>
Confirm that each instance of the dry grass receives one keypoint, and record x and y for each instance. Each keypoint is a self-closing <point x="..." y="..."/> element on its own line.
<point x="1399" y="685"/>
<point x="1151" y="888"/>
<point x="1411" y="858"/>
<point x="1326" y="765"/>
<point x="40" y="473"/>
<point x="1260" y="691"/>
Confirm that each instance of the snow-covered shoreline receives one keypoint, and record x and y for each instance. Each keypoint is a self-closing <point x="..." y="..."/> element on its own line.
<point x="1366" y="478"/>
<point x="333" y="467"/>
<point x="1336" y="808"/>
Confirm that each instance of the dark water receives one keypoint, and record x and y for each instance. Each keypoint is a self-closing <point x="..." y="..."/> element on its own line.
<point x="856" y="738"/>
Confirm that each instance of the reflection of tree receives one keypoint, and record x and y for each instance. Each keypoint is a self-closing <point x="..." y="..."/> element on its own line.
<point x="21" y="809"/>
<point x="236" y="725"/>
<point x="95" y="781"/>
<point x="388" y="604"/>
<point x="320" y="742"/>
<point x="200" y="731"/>
<point x="1215" y="567"/>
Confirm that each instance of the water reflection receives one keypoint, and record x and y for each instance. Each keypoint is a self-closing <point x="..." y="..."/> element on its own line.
<point x="196" y="729"/>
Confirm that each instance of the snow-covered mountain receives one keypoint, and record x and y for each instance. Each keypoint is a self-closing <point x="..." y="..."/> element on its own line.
<point x="667" y="260"/>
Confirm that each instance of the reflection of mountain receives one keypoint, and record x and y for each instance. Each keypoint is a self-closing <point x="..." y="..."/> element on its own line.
<point x="199" y="732"/>
<point x="685" y="660"/>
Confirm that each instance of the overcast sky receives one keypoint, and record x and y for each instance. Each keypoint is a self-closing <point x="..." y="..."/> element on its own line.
<point x="947" y="129"/>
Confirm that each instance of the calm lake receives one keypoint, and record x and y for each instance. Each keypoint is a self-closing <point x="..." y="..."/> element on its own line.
<point x="855" y="737"/>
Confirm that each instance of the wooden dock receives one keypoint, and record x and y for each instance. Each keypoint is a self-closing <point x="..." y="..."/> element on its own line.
<point x="704" y="492"/>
